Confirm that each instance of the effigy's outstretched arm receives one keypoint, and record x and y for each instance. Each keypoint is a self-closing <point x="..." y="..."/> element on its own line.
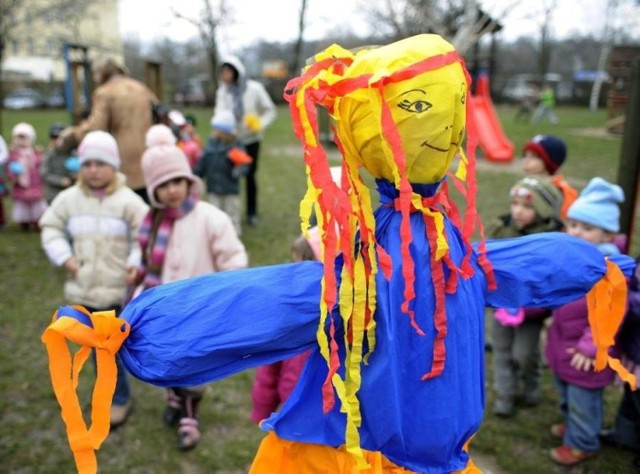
<point x="546" y="270"/>
<point x="205" y="328"/>
<point x="551" y="269"/>
<point x="181" y="334"/>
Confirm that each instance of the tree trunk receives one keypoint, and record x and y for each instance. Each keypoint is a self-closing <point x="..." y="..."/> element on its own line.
<point x="296" y="60"/>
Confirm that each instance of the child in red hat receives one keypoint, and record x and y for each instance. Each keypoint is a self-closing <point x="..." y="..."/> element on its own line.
<point x="544" y="155"/>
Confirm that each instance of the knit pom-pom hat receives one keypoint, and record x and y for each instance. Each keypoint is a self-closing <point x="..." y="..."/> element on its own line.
<point x="163" y="163"/>
<point x="224" y="121"/>
<point x="26" y="130"/>
<point x="549" y="149"/>
<point x="159" y="134"/>
<point x="598" y="206"/>
<point x="541" y="193"/>
<point x="100" y="146"/>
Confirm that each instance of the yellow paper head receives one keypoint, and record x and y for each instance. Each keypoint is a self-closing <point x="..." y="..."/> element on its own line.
<point x="428" y="110"/>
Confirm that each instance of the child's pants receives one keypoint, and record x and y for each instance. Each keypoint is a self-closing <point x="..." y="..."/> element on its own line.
<point x="230" y="204"/>
<point x="516" y="358"/>
<point x="583" y="410"/>
<point x="627" y="426"/>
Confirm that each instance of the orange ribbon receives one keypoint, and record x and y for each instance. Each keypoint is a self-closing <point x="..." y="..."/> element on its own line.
<point x="105" y="333"/>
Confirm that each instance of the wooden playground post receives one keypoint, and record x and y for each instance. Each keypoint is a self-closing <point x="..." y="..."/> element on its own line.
<point x="153" y="78"/>
<point x="629" y="167"/>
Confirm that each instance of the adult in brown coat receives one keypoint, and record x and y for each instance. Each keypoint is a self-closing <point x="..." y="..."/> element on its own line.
<point x="122" y="106"/>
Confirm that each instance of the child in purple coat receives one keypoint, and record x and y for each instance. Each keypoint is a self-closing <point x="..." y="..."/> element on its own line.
<point x="570" y="349"/>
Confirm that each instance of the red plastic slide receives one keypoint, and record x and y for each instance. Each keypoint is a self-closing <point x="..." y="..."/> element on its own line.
<point x="493" y="142"/>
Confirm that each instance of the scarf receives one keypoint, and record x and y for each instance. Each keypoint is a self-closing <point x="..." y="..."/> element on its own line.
<point x="237" y="94"/>
<point x="154" y="234"/>
<point x="26" y="157"/>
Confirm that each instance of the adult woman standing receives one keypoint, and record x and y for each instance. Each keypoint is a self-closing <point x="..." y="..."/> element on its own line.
<point x="254" y="111"/>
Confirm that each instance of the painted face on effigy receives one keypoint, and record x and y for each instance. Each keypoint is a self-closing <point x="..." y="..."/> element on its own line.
<point x="428" y="109"/>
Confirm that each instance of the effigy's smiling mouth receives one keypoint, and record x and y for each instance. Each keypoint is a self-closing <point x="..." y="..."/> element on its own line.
<point x="426" y="144"/>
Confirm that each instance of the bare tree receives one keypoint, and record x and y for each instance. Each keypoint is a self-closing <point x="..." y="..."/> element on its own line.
<point x="210" y="20"/>
<point x="462" y="22"/>
<point x="296" y="61"/>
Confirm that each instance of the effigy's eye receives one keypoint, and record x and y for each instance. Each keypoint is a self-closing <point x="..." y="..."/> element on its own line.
<point x="416" y="106"/>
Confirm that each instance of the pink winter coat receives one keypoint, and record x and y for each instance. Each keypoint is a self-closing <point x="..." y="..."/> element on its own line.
<point x="21" y="191"/>
<point x="570" y="329"/>
<point x="203" y="241"/>
<point x="273" y="385"/>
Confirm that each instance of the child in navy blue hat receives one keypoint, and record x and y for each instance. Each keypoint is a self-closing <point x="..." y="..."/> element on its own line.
<point x="543" y="156"/>
<point x="570" y="350"/>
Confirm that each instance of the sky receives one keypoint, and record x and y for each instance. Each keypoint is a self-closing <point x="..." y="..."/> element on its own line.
<point x="277" y="20"/>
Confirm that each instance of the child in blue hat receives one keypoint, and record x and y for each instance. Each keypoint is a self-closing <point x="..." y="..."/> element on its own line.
<point x="571" y="351"/>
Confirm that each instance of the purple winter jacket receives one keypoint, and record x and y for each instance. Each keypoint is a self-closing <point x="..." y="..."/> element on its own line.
<point x="570" y="329"/>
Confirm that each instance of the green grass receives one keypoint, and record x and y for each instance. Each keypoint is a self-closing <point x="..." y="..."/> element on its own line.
<point x="32" y="435"/>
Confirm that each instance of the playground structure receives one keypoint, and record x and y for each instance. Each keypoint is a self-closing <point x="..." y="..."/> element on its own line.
<point x="78" y="84"/>
<point x="495" y="145"/>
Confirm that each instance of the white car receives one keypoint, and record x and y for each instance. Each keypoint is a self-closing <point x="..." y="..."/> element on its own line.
<point x="23" y="99"/>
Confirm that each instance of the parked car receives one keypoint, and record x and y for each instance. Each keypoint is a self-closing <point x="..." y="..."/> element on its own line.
<point x="24" y="99"/>
<point x="55" y="100"/>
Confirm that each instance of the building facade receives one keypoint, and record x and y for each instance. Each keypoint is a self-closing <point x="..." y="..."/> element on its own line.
<point x="39" y="29"/>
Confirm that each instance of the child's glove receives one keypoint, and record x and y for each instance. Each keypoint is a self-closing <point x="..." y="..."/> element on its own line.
<point x="509" y="316"/>
<point x="72" y="164"/>
<point x="238" y="157"/>
<point x="16" y="167"/>
<point x="252" y="121"/>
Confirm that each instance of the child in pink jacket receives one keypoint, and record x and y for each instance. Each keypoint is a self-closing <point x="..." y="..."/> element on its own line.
<point x="23" y="171"/>
<point x="182" y="237"/>
<point x="275" y="382"/>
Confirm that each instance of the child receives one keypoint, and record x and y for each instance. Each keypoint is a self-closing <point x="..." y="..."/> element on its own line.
<point x="182" y="237"/>
<point x="626" y="431"/>
<point x="274" y="382"/>
<point x="546" y="104"/>
<point x="535" y="206"/>
<point x="220" y="167"/>
<point x="544" y="155"/>
<point x="25" y="160"/>
<point x="188" y="141"/>
<point x="570" y="350"/>
<point x="91" y="230"/>
<point x="60" y="166"/>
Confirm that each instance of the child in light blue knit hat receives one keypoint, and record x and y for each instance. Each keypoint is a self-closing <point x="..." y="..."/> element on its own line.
<point x="570" y="350"/>
<point x="595" y="215"/>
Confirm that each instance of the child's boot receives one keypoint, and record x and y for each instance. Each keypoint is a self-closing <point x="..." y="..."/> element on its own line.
<point x="171" y="414"/>
<point x="189" y="429"/>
